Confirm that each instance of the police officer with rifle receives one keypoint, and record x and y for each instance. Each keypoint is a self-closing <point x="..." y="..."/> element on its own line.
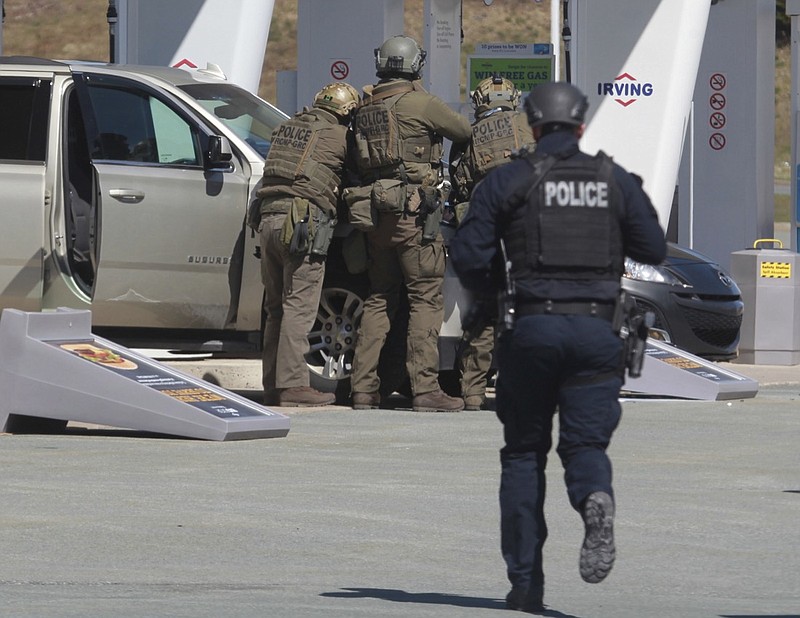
<point x="566" y="221"/>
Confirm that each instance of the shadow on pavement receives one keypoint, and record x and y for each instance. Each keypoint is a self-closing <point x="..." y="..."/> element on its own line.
<point x="433" y="598"/>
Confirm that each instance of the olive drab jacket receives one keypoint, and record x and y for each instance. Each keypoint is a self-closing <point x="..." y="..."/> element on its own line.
<point x="398" y="132"/>
<point x="495" y="136"/>
<point x="306" y="159"/>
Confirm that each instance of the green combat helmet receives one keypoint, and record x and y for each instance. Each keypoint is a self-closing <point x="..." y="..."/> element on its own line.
<point x="399" y="55"/>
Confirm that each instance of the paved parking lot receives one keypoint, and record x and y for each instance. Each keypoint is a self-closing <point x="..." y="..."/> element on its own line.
<point x="394" y="513"/>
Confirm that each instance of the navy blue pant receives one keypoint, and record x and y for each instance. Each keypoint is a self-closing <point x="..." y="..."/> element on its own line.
<point x="552" y="362"/>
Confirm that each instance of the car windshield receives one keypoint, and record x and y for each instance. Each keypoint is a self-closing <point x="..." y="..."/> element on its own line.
<point x="246" y="115"/>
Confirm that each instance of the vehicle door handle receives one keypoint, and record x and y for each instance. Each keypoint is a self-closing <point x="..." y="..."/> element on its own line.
<point x="127" y="196"/>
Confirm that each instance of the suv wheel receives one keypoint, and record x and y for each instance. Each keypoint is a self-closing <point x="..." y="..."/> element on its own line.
<point x="332" y="340"/>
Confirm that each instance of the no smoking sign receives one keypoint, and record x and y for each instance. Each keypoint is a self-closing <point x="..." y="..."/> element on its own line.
<point x="718" y="81"/>
<point x="340" y="70"/>
<point x="717" y="103"/>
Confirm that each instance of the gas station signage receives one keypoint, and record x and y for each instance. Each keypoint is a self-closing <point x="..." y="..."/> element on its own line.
<point x="524" y="72"/>
<point x="524" y="64"/>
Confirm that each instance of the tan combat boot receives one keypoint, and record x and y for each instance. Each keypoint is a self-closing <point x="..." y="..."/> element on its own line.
<point x="305" y="396"/>
<point x="366" y="401"/>
<point x="437" y="401"/>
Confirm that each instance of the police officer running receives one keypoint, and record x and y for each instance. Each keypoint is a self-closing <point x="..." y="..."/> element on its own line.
<point x="300" y="190"/>
<point x="499" y="130"/>
<point x="398" y="132"/>
<point x="566" y="221"/>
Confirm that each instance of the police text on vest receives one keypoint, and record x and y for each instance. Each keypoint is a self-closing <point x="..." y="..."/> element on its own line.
<point x="576" y="193"/>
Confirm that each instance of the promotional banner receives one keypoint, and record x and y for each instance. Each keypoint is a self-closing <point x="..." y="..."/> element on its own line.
<point x="524" y="72"/>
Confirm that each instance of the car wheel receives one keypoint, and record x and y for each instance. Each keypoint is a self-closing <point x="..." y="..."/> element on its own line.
<point x="332" y="340"/>
<point x="332" y="343"/>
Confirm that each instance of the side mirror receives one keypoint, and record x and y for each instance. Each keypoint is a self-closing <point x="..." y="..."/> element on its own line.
<point x="219" y="153"/>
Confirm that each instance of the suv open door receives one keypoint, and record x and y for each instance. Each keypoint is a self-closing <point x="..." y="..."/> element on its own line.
<point x="166" y="214"/>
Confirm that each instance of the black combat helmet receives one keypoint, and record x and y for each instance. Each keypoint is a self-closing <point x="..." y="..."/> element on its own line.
<point x="556" y="103"/>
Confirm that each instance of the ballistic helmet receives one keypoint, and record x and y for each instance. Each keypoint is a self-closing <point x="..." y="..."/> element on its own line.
<point x="339" y="97"/>
<point x="556" y="103"/>
<point x="399" y="55"/>
<point x="495" y="92"/>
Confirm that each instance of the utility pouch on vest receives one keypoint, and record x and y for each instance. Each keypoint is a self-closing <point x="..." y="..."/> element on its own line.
<point x="254" y="214"/>
<point x="431" y="206"/>
<point x="362" y="151"/>
<point x="298" y="227"/>
<point x="354" y="252"/>
<point x="389" y="196"/>
<point x="361" y="212"/>
<point x="323" y="233"/>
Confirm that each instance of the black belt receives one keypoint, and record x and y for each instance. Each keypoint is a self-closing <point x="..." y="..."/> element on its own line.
<point x="548" y="307"/>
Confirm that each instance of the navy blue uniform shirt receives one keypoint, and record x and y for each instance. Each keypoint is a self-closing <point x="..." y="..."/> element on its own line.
<point x="475" y="245"/>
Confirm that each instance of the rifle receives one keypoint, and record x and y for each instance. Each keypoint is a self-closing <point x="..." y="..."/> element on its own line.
<point x="506" y="309"/>
<point x="489" y="308"/>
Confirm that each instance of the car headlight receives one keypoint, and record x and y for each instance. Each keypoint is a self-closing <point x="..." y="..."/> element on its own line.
<point x="647" y="272"/>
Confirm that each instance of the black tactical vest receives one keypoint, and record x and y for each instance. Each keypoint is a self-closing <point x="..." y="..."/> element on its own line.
<point x="568" y="225"/>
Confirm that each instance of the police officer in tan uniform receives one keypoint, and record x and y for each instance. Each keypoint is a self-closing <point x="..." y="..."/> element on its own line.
<point x="300" y="190"/>
<point x="498" y="131"/>
<point x="399" y="129"/>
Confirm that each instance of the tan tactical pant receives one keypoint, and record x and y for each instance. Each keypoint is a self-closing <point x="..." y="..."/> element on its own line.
<point x="397" y="255"/>
<point x="292" y="285"/>
<point x="475" y="363"/>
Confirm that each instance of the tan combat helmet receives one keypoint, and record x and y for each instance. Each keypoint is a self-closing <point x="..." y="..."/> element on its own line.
<point x="494" y="92"/>
<point x="339" y="98"/>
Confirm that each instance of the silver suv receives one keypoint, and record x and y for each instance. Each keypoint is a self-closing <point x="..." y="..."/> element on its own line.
<point x="125" y="191"/>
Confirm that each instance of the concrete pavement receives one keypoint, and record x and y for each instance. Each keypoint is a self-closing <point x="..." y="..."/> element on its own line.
<point x="245" y="374"/>
<point x="393" y="513"/>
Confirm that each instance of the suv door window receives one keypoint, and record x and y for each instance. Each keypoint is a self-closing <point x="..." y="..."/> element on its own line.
<point x="135" y="126"/>
<point x="23" y="122"/>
